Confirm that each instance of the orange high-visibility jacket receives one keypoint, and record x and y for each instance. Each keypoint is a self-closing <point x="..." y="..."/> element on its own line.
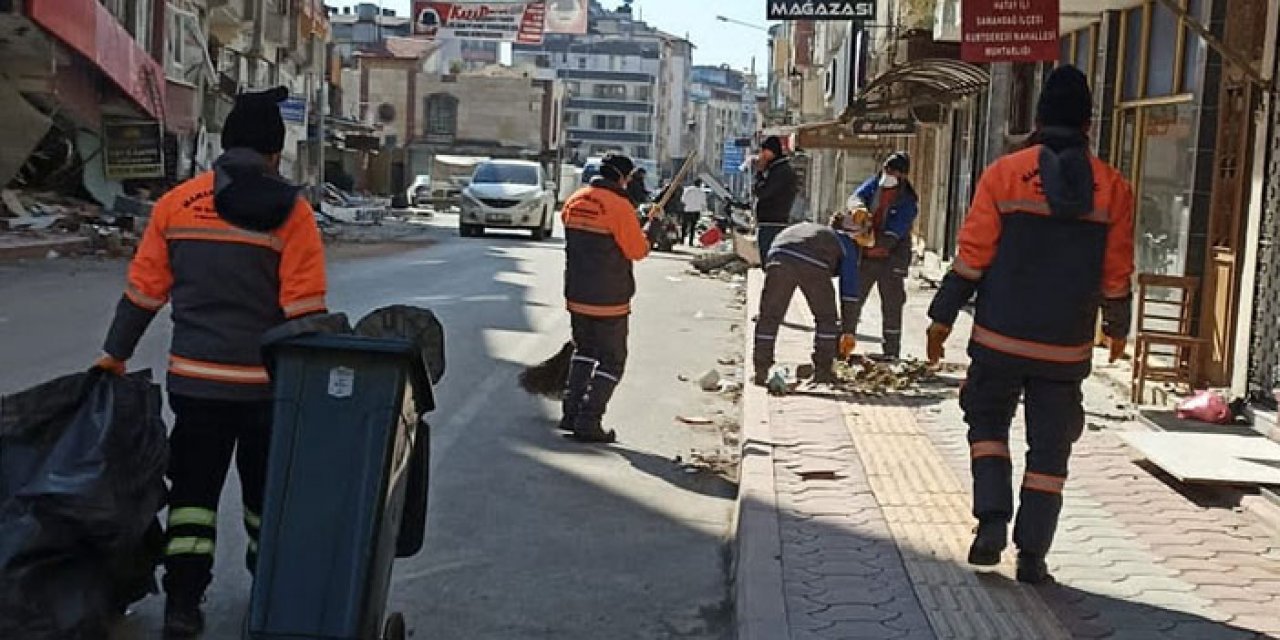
<point x="1047" y="242"/>
<point x="602" y="239"/>
<point x="228" y="284"/>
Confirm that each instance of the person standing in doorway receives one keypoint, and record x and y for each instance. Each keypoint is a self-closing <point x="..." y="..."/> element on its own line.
<point x="236" y="252"/>
<point x="1047" y="241"/>
<point x="775" y="191"/>
<point x="603" y="239"/>
<point x="695" y="203"/>
<point x="894" y="205"/>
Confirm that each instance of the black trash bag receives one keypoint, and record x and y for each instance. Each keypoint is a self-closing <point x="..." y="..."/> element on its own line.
<point x="82" y="463"/>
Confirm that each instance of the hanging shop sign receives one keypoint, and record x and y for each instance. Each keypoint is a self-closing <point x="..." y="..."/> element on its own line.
<point x="567" y="16"/>
<point x="819" y="10"/>
<point x="884" y="126"/>
<point x="518" y="22"/>
<point x="1009" y="30"/>
<point x="134" y="149"/>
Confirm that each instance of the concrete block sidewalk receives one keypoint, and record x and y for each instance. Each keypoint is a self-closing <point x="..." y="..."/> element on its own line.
<point x="854" y="522"/>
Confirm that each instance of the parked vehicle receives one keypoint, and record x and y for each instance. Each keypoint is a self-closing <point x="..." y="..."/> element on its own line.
<point x="420" y="191"/>
<point x="508" y="194"/>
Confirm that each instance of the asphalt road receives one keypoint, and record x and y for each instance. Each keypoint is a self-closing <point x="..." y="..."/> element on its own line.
<point x="529" y="535"/>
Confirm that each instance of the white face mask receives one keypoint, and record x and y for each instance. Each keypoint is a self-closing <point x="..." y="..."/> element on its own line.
<point x="888" y="182"/>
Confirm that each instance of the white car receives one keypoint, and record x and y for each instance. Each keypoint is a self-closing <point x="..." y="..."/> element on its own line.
<point x="508" y="194"/>
<point x="419" y="192"/>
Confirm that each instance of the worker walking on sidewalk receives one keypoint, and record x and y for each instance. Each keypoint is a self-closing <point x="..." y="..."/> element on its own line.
<point x="893" y="204"/>
<point x="236" y="252"/>
<point x="806" y="256"/>
<point x="602" y="239"/>
<point x="1048" y="240"/>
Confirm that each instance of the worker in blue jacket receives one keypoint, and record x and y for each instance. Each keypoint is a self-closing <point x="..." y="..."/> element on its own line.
<point x="893" y="204"/>
<point x="807" y="256"/>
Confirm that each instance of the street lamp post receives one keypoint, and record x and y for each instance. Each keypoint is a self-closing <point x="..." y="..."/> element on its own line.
<point x="742" y="23"/>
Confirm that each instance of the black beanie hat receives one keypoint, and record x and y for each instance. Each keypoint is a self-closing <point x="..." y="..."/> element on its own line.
<point x="255" y="122"/>
<point x="1065" y="100"/>
<point x="898" y="161"/>
<point x="616" y="167"/>
<point x="772" y="143"/>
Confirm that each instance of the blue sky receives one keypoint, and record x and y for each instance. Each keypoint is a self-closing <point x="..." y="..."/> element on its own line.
<point x="717" y="42"/>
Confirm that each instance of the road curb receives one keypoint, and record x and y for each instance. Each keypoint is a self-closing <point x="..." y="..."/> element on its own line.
<point x="39" y="249"/>
<point x="757" y="570"/>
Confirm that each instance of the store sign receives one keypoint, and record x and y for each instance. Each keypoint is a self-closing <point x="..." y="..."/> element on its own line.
<point x="294" y="110"/>
<point x="819" y="10"/>
<point x="1009" y="30"/>
<point x="734" y="157"/>
<point x="519" y="22"/>
<point x="134" y="149"/>
<point x="567" y="16"/>
<point x="885" y="127"/>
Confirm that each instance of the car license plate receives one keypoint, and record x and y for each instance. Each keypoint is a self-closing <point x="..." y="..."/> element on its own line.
<point x="498" y="217"/>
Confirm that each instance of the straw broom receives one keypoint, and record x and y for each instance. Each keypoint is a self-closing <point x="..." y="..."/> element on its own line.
<point x="547" y="378"/>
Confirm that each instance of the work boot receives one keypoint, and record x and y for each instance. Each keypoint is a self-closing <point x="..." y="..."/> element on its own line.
<point x="990" y="539"/>
<point x="183" y="619"/>
<point x="588" y="425"/>
<point x="1032" y="568"/>
<point x="575" y="390"/>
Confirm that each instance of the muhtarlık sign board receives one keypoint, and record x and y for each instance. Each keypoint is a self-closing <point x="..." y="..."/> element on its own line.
<point x="134" y="149"/>
<point x="819" y="10"/>
<point x="1009" y="30"/>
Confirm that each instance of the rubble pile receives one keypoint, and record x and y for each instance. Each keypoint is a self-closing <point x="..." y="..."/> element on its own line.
<point x="720" y="265"/>
<point x="49" y="215"/>
<point x="867" y="377"/>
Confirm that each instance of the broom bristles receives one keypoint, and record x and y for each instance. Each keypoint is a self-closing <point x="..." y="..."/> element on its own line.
<point x="547" y="378"/>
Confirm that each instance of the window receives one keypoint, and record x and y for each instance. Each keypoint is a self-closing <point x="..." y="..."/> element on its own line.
<point x="502" y="173"/>
<point x="641" y="151"/>
<point x="611" y="91"/>
<point x="183" y="51"/>
<point x="644" y="92"/>
<point x="574" y="87"/>
<point x="442" y="116"/>
<point x="644" y="124"/>
<point x="571" y="118"/>
<point x="582" y="62"/>
<point x="1132" y="53"/>
<point x="1163" y="45"/>
<point x="610" y="123"/>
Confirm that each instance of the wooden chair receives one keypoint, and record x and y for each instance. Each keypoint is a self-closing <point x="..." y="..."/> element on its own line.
<point x="1166" y="308"/>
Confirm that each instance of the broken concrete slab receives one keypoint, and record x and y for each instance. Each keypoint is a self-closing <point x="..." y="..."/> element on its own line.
<point x="1210" y="458"/>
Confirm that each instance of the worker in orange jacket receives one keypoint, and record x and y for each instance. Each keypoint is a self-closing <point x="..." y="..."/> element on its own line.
<point x="236" y="252"/>
<point x="603" y="238"/>
<point x="1047" y="242"/>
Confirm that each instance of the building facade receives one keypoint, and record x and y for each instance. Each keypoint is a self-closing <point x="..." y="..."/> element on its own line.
<point x="1182" y="108"/>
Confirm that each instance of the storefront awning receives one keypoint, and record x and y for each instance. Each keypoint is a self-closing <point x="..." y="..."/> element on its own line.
<point x="921" y="82"/>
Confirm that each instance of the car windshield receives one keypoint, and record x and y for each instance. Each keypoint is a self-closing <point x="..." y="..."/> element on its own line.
<point x="505" y="174"/>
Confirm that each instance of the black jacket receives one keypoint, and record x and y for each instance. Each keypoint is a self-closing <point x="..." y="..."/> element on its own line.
<point x="775" y="190"/>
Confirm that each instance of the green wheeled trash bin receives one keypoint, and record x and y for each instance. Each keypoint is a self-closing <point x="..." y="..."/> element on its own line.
<point x="348" y="447"/>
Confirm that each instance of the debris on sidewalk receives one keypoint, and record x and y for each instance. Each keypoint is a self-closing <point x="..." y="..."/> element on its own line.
<point x="710" y="381"/>
<point x="872" y="378"/>
<point x="716" y="462"/>
<point x="720" y="264"/>
<point x="696" y="420"/>
<point x="40" y="217"/>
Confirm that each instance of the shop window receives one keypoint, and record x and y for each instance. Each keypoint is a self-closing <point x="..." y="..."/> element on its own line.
<point x="1132" y="62"/>
<point x="1192" y="54"/>
<point x="1163" y="43"/>
<point x="1165" y="179"/>
<point x="1085" y="52"/>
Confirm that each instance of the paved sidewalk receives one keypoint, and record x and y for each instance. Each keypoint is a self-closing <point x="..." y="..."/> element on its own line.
<point x="854" y="523"/>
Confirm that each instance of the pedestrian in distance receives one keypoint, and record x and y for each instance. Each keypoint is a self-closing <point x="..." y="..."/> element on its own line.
<point x="603" y="238"/>
<point x="775" y="192"/>
<point x="236" y="252"/>
<point x="694" y="200"/>
<point x="806" y="256"/>
<point x="1047" y="241"/>
<point x="893" y="204"/>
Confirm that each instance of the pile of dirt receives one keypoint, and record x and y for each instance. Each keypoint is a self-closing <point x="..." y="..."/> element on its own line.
<point x="865" y="376"/>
